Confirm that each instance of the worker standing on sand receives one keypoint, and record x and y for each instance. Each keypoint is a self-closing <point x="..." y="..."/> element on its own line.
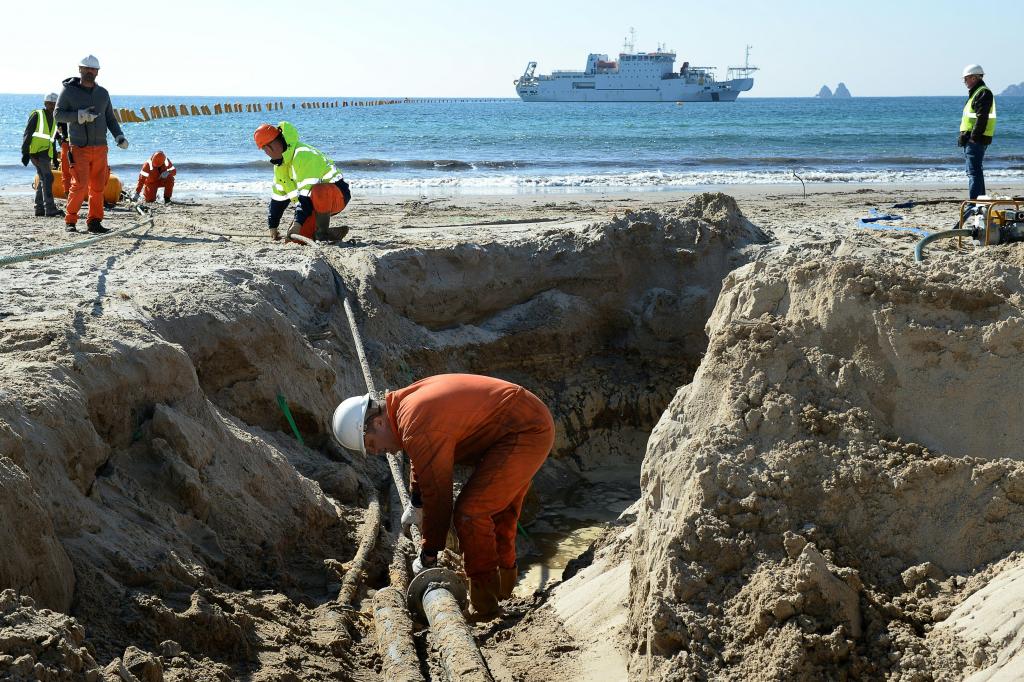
<point x="157" y="172"/>
<point x="304" y="176"/>
<point x="500" y="428"/>
<point x="37" y="147"/>
<point x="85" y="107"/>
<point x="977" y="126"/>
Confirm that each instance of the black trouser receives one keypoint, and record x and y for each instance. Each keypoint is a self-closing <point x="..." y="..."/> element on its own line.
<point x="44" y="192"/>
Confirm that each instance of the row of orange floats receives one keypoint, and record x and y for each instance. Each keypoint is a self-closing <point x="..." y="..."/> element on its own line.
<point x="174" y="110"/>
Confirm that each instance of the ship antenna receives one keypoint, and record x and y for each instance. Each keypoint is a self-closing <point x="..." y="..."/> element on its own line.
<point x="630" y="42"/>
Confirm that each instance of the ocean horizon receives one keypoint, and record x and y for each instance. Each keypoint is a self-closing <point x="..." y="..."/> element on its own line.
<point x="505" y="146"/>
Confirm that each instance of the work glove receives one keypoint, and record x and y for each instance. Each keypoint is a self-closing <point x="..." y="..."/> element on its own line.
<point x="122" y="142"/>
<point x="412" y="516"/>
<point x="163" y="176"/>
<point x="423" y="562"/>
<point x="24" y="159"/>
<point x="961" y="140"/>
<point x="86" y="115"/>
<point x="136" y="196"/>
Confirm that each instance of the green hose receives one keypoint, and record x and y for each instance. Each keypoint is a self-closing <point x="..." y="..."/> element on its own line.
<point x="288" y="415"/>
<point x="919" y="249"/>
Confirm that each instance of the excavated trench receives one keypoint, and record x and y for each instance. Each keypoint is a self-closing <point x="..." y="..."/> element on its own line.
<point x="161" y="499"/>
<point x="827" y="485"/>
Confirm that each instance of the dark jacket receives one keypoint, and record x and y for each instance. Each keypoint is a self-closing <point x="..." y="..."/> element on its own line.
<point x="982" y="105"/>
<point x="75" y="97"/>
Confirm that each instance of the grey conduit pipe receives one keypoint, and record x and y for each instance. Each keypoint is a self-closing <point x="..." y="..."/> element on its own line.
<point x="919" y="249"/>
<point x="357" y="568"/>
<point x="393" y="625"/>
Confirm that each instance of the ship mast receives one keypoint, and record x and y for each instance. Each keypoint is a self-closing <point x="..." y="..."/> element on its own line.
<point x="629" y="43"/>
<point x="745" y="70"/>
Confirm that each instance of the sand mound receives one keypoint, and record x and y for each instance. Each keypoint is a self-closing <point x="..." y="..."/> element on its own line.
<point x="143" y="442"/>
<point x="844" y="459"/>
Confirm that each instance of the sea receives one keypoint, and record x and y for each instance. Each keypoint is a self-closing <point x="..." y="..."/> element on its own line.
<point x="505" y="146"/>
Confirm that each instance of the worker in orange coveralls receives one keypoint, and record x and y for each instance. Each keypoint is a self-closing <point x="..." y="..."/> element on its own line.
<point x="500" y="428"/>
<point x="158" y="172"/>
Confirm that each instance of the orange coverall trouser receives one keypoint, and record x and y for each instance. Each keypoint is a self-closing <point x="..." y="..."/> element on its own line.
<point x="89" y="174"/>
<point x="149" y="189"/>
<point x="487" y="510"/>
<point x="327" y="198"/>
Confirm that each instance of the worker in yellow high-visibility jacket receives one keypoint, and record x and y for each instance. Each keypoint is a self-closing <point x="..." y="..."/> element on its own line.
<point x="38" y="147"/>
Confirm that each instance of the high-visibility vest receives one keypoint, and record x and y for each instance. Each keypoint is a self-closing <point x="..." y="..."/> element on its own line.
<point x="970" y="118"/>
<point x="303" y="167"/>
<point x="42" y="138"/>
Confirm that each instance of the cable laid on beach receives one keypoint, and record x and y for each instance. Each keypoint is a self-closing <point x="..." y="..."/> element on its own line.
<point x="55" y="250"/>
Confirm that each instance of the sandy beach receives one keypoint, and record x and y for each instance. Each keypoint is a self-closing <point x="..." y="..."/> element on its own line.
<point x="776" y="380"/>
<point x="826" y="210"/>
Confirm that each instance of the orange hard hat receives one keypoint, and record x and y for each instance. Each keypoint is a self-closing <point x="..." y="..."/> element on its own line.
<point x="265" y="134"/>
<point x="159" y="158"/>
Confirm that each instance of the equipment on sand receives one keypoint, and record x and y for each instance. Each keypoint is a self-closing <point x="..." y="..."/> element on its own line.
<point x="874" y="220"/>
<point x="111" y="191"/>
<point x="986" y="220"/>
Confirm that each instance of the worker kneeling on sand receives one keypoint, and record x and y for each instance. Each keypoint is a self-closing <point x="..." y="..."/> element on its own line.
<point x="157" y="172"/>
<point x="304" y="176"/>
<point x="501" y="429"/>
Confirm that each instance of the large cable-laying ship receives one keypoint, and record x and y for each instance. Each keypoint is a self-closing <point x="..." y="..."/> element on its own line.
<point x="635" y="77"/>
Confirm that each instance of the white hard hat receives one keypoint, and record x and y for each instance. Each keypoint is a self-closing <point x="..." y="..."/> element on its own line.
<point x="52" y="97"/>
<point x="90" y="62"/>
<point x="973" y="70"/>
<point x="349" y="422"/>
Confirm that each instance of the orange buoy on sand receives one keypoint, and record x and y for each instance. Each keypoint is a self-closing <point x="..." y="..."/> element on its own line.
<point x="111" y="192"/>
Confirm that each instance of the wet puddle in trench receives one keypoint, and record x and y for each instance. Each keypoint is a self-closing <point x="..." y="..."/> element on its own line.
<point x="568" y="524"/>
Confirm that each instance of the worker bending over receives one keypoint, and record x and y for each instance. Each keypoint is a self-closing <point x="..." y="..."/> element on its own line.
<point x="305" y="177"/>
<point x="157" y="172"/>
<point x="38" y="147"/>
<point x="501" y="429"/>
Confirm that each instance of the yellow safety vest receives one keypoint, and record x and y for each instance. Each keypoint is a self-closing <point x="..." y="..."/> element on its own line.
<point x="970" y="118"/>
<point x="42" y="138"/>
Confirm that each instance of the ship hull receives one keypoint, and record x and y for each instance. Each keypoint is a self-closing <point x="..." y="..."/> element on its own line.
<point x="567" y="90"/>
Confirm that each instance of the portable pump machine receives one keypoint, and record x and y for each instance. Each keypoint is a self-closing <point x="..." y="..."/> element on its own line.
<point x="987" y="221"/>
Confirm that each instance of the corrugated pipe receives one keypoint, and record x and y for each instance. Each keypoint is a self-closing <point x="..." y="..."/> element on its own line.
<point x="919" y="249"/>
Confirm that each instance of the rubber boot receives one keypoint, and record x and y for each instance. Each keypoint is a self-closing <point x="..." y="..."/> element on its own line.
<point x="95" y="226"/>
<point x="336" y="234"/>
<point x="507" y="578"/>
<point x="483" y="597"/>
<point x="323" y="227"/>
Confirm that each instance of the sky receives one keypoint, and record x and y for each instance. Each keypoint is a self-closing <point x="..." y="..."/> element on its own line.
<point x="476" y="48"/>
